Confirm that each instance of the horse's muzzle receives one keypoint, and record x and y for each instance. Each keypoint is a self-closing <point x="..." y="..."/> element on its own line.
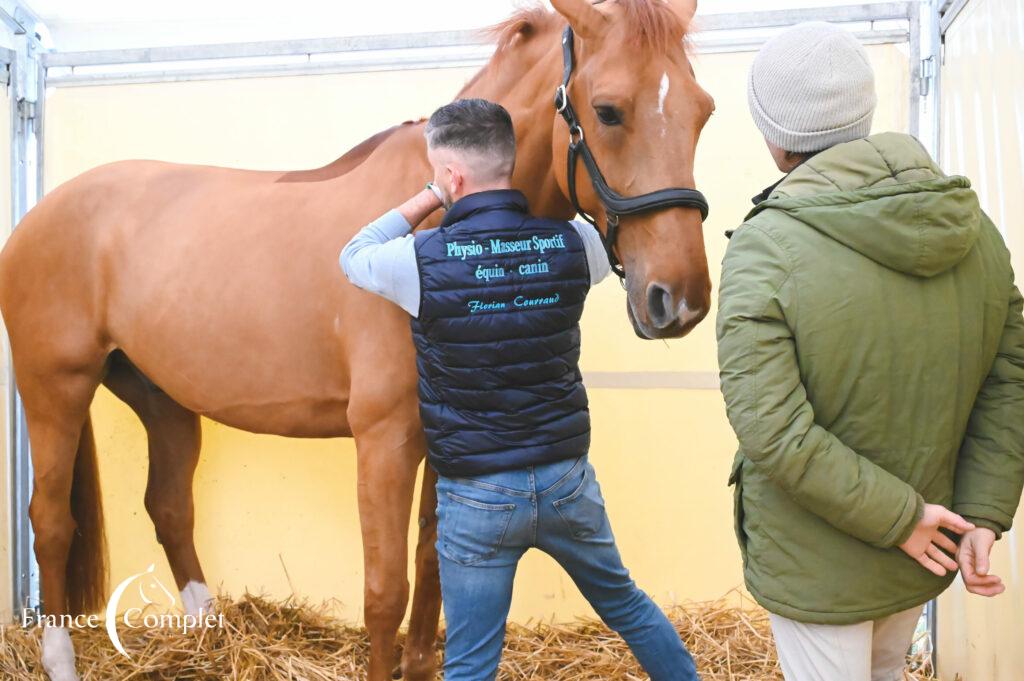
<point x="666" y="315"/>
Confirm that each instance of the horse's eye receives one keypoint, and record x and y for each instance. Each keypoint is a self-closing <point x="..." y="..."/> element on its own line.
<point x="608" y="115"/>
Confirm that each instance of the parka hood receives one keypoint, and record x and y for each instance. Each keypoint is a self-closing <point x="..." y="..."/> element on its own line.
<point x="885" y="198"/>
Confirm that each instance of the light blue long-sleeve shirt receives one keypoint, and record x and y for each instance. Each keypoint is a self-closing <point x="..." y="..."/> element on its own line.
<point x="381" y="259"/>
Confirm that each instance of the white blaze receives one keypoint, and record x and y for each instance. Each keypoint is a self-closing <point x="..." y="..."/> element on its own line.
<point x="662" y="94"/>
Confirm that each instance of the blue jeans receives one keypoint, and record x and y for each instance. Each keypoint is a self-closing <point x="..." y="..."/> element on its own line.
<point x="486" y="524"/>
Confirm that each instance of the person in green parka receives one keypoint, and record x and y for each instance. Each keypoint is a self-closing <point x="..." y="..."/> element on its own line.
<point x="871" y="347"/>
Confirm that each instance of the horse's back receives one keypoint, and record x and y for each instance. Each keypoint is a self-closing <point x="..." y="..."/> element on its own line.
<point x="53" y="260"/>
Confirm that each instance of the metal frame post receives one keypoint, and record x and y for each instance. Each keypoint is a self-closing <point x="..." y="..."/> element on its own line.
<point x="27" y="93"/>
<point x="931" y="75"/>
<point x="930" y="118"/>
<point x="917" y="83"/>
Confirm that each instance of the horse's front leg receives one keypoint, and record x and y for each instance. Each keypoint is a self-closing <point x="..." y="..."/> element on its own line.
<point x="390" y="445"/>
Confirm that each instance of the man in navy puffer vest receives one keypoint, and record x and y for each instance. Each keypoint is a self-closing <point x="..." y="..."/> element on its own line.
<point x="496" y="297"/>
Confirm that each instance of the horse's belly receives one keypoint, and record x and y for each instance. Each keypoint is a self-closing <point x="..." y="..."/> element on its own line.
<point x="251" y="386"/>
<point x="238" y="310"/>
<point x="309" y="419"/>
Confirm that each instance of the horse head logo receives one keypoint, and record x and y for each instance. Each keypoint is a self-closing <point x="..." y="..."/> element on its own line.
<point x="151" y="591"/>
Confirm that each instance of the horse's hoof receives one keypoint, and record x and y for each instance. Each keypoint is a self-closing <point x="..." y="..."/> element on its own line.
<point x="58" y="654"/>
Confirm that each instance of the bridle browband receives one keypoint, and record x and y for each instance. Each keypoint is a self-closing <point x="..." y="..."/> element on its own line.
<point x="614" y="203"/>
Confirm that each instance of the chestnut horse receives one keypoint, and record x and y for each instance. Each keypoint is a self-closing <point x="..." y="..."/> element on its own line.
<point x="201" y="291"/>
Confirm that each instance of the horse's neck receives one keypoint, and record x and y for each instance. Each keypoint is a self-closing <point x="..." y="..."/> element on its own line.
<point x="524" y="83"/>
<point x="523" y="80"/>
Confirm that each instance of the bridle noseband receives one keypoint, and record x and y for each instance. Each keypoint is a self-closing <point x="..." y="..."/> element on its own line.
<point x="614" y="203"/>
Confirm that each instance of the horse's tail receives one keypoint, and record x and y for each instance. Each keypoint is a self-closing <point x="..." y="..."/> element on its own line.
<point x="86" y="575"/>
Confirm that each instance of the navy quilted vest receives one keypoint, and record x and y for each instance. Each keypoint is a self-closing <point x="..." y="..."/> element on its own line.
<point x="498" y="337"/>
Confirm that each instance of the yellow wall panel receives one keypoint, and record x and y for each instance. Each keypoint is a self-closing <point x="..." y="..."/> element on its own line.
<point x="265" y="503"/>
<point x="983" y="138"/>
<point x="732" y="165"/>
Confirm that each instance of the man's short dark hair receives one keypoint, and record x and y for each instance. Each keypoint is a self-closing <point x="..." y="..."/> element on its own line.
<point x="477" y="127"/>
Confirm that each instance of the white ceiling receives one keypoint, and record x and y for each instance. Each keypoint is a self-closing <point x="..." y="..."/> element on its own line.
<point x="101" y="24"/>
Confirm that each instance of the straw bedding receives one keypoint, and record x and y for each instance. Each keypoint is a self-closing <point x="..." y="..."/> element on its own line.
<point x="265" y="640"/>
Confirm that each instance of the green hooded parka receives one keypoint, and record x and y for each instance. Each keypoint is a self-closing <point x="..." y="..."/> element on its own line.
<point x="871" y="348"/>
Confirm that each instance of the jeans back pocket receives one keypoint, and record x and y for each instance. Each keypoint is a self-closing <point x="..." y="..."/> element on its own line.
<point x="472" y="531"/>
<point x="583" y="510"/>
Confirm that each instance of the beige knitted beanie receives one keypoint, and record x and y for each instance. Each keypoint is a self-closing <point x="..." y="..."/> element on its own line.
<point x="811" y="87"/>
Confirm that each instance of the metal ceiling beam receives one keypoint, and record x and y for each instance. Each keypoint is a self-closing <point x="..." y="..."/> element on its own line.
<point x="736" y="32"/>
<point x="448" y="58"/>
<point x="445" y="39"/>
<point x="19" y="18"/>
<point x="270" y="48"/>
<point x="787" y="17"/>
<point x="950" y="10"/>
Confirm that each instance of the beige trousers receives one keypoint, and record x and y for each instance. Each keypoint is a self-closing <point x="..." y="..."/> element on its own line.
<point x="869" y="651"/>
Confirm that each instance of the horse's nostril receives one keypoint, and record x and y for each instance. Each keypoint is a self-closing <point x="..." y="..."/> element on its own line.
<point x="659" y="306"/>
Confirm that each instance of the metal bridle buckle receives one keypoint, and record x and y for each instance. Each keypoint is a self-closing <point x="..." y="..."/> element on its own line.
<point x="561" y="99"/>
<point x="573" y="132"/>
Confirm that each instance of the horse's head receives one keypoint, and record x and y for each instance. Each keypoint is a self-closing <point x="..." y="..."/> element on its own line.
<point x="641" y="110"/>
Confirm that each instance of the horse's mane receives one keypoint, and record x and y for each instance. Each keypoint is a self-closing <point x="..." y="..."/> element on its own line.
<point x="651" y="24"/>
<point x="346" y="163"/>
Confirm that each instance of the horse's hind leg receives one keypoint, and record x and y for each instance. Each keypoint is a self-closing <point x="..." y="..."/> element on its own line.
<point x="65" y="508"/>
<point x="174" y="441"/>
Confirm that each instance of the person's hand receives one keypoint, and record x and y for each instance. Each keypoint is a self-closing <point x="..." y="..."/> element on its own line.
<point x="927" y="541"/>
<point x="973" y="557"/>
<point x="416" y="209"/>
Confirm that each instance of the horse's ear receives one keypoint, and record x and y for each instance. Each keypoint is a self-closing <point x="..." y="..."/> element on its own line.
<point x="684" y="8"/>
<point x="584" y="18"/>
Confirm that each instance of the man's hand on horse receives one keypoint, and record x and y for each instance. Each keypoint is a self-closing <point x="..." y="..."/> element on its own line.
<point x="416" y="209"/>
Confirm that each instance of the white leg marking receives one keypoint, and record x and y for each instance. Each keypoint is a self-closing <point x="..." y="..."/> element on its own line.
<point x="58" y="654"/>
<point x="195" y="597"/>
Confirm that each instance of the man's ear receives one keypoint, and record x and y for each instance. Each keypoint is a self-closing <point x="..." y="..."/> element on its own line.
<point x="584" y="18"/>
<point x="455" y="180"/>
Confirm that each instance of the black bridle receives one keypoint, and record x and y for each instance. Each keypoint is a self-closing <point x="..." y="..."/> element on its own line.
<point x="614" y="203"/>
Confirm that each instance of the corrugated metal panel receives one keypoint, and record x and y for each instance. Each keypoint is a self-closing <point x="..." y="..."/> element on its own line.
<point x="983" y="138"/>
